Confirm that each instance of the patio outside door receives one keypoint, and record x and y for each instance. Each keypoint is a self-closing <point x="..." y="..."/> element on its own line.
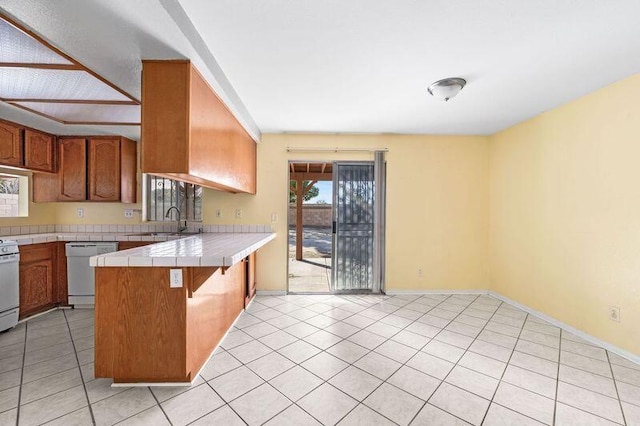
<point x="354" y="227"/>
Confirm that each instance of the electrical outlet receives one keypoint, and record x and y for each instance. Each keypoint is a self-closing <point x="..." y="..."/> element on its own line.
<point x="238" y="213"/>
<point x="419" y="272"/>
<point x="80" y="212"/>
<point x="175" y="278"/>
<point x="218" y="213"/>
<point x="274" y="217"/>
<point x="128" y="213"/>
<point x="614" y="313"/>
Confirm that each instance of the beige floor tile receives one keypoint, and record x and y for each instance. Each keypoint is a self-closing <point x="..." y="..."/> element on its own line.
<point x="529" y="380"/>
<point x="81" y="417"/>
<point x="299" y="351"/>
<point x="272" y="402"/>
<point x="535" y="364"/>
<point x="363" y="415"/>
<point x="296" y="383"/>
<point x="472" y="381"/>
<point x="356" y="383"/>
<point x="293" y="416"/>
<point x="570" y="416"/>
<point x="396" y="351"/>
<point x="10" y="379"/>
<point x="270" y="365"/>
<point x="324" y="365"/>
<point x="151" y="416"/>
<point x="431" y="415"/>
<point x="482" y="364"/>
<point x="588" y="380"/>
<point x="444" y="350"/>
<point x="221" y="416"/>
<point x="378" y="365"/>
<point x="348" y="351"/>
<point x="219" y="364"/>
<point x="162" y="393"/>
<point x="327" y="404"/>
<point x="9" y="398"/>
<point x="191" y="405"/>
<point x="53" y="406"/>
<point x="590" y="401"/>
<point x="462" y="404"/>
<point x="50" y="385"/>
<point x="501" y="416"/>
<point x="393" y="403"/>
<point x="525" y="402"/>
<point x="122" y="406"/>
<point x="235" y="383"/>
<point x="431" y="365"/>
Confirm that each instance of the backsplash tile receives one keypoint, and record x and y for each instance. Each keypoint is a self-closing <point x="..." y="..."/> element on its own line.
<point x="6" y="231"/>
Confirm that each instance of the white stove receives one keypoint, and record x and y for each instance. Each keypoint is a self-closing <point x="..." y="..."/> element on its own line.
<point x="9" y="285"/>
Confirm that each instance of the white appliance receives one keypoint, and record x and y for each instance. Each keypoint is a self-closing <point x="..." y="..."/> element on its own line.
<point x="80" y="275"/>
<point x="9" y="284"/>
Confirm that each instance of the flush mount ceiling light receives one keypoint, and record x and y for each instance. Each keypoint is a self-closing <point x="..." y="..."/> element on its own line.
<point x="446" y="88"/>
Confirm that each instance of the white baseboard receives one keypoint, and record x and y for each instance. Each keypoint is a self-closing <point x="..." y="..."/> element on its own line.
<point x="417" y="292"/>
<point x="271" y="292"/>
<point x="589" y="338"/>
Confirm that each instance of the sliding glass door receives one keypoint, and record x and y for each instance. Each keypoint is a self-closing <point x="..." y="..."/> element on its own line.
<point x="354" y="195"/>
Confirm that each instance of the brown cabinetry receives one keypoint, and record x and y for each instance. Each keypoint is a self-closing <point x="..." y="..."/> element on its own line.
<point x="188" y="133"/>
<point x="125" y="245"/>
<point x="10" y="145"/>
<point x="39" y="151"/>
<point x="73" y="170"/>
<point x="38" y="277"/>
<point x="94" y="169"/>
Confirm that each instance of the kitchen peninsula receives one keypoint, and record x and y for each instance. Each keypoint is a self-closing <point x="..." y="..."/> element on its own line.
<point x="162" y="309"/>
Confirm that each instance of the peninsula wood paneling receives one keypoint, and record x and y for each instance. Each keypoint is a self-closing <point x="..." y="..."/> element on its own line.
<point x="189" y="134"/>
<point x="149" y="332"/>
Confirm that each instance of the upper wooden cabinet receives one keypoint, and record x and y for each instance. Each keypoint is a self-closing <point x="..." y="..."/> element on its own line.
<point x="189" y="134"/>
<point x="39" y="151"/>
<point x="97" y="168"/>
<point x="73" y="170"/>
<point x="10" y="145"/>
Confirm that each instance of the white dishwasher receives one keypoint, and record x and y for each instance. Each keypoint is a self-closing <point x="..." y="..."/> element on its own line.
<point x="9" y="284"/>
<point x="80" y="275"/>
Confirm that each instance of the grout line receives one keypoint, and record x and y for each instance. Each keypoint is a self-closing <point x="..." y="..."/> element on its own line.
<point x="160" y="405"/>
<point x="615" y="385"/>
<point x="24" y="355"/>
<point x="84" y="385"/>
<point x="555" y="399"/>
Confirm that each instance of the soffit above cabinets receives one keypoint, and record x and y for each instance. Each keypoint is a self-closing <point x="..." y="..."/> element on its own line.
<point x="39" y="78"/>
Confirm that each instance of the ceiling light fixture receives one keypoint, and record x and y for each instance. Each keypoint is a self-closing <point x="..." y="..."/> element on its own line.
<point x="446" y="88"/>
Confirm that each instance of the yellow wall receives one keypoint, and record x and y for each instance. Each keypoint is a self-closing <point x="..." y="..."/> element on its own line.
<point x="437" y="206"/>
<point x="565" y="213"/>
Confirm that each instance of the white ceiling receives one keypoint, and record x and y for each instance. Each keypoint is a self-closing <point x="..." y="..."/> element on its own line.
<point x="358" y="65"/>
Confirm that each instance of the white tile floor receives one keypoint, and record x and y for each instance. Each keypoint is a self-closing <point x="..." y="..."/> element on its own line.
<point x="309" y="360"/>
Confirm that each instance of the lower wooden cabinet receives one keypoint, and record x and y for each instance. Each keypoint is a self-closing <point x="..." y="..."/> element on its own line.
<point x="38" y="264"/>
<point x="125" y="245"/>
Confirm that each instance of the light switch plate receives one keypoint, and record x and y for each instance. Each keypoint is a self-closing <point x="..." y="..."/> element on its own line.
<point x="175" y="278"/>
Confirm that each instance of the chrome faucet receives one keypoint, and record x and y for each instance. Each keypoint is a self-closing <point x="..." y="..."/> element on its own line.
<point x="168" y="214"/>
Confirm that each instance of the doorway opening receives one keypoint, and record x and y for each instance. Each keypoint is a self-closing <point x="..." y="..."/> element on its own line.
<point x="310" y="227"/>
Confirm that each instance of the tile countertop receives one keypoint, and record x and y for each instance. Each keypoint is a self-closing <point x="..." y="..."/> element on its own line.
<point x="212" y="249"/>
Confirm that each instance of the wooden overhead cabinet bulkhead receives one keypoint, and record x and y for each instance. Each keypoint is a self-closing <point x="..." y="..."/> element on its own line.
<point x="97" y="168"/>
<point x="189" y="134"/>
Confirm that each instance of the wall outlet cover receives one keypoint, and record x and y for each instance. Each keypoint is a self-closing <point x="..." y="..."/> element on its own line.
<point x="175" y="278"/>
<point x="128" y="213"/>
<point x="80" y="212"/>
<point x="238" y="213"/>
<point x="614" y="313"/>
<point x="218" y="213"/>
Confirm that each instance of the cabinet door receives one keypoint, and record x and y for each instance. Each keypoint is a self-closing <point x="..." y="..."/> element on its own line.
<point x="10" y="145"/>
<point x="39" y="151"/>
<point x="37" y="276"/>
<point x="73" y="169"/>
<point x="104" y="169"/>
